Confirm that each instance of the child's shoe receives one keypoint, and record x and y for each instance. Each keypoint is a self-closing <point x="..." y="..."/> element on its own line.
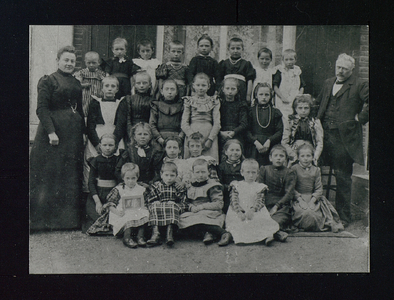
<point x="155" y="239"/>
<point x="280" y="236"/>
<point x="170" y="238"/>
<point x="140" y="237"/>
<point x="225" y="239"/>
<point x="128" y="242"/>
<point x="208" y="238"/>
<point x="268" y="241"/>
<point x="141" y="242"/>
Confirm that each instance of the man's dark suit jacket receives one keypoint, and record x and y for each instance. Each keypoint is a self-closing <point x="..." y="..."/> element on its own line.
<point x="353" y="99"/>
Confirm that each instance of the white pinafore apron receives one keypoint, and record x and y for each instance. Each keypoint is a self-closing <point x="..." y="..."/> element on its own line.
<point x="289" y="87"/>
<point x="108" y="111"/>
<point x="260" y="227"/>
<point x="132" y="216"/>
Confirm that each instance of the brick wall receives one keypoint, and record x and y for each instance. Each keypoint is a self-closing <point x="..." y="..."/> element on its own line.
<point x="79" y="44"/>
<point x="364" y="53"/>
<point x="364" y="74"/>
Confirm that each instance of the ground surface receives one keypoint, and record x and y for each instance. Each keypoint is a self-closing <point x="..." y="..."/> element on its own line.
<point x="73" y="252"/>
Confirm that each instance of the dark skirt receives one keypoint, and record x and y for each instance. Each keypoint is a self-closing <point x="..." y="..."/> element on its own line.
<point x="56" y="174"/>
<point x="252" y="152"/>
<point x="91" y="213"/>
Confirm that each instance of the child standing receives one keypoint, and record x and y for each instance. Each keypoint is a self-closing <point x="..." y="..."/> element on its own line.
<point x="203" y="63"/>
<point x="202" y="114"/>
<point x="204" y="204"/>
<point x="141" y="153"/>
<point x="135" y="108"/>
<point x="302" y="129"/>
<point x="288" y="83"/>
<point x="174" y="69"/>
<point x="166" y="114"/>
<point x="233" y="113"/>
<point x="263" y="72"/>
<point x="101" y="115"/>
<point x="101" y="181"/>
<point x="238" y="68"/>
<point x="266" y="125"/>
<point x="280" y="181"/>
<point x="166" y="203"/>
<point x="100" y="121"/>
<point x="127" y="208"/>
<point x="312" y="211"/>
<point x="146" y="62"/>
<point x="90" y="79"/>
<point x="121" y="67"/>
<point x="248" y="219"/>
<point x="230" y="168"/>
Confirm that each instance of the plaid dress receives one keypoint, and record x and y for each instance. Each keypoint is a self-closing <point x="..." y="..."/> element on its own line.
<point x="164" y="213"/>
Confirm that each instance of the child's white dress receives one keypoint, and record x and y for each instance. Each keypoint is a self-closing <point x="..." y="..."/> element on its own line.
<point x="263" y="76"/>
<point x="149" y="66"/>
<point x="261" y="226"/>
<point x="134" y="217"/>
<point x="289" y="87"/>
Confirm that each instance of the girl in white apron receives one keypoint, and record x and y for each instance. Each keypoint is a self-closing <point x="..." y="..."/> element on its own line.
<point x="288" y="83"/>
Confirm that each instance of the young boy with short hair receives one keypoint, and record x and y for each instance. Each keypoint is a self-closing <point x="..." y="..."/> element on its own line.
<point x="174" y="69"/>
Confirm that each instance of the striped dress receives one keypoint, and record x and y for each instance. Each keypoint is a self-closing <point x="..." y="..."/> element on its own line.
<point x="95" y="88"/>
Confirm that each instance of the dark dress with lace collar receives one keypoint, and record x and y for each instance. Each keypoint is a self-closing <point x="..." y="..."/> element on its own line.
<point x="56" y="171"/>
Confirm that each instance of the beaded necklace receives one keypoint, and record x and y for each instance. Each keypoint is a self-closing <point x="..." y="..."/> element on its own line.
<point x="234" y="62"/>
<point x="269" y="117"/>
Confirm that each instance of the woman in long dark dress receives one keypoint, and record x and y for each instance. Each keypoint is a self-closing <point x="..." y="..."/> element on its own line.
<point x="56" y="156"/>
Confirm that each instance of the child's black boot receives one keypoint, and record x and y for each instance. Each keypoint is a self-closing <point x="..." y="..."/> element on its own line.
<point x="170" y="232"/>
<point x="155" y="239"/>
<point x="140" y="237"/>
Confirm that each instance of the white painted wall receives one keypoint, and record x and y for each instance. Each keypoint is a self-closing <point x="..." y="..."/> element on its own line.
<point x="44" y="42"/>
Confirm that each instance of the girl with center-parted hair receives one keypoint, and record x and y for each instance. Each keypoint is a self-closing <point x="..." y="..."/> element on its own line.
<point x="141" y="152"/>
<point x="201" y="113"/>
<point x="127" y="209"/>
<point x="302" y="129"/>
<point x="265" y="124"/>
<point x="204" y="63"/>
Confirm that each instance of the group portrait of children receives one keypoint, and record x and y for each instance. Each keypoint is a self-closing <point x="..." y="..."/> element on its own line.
<point x="219" y="151"/>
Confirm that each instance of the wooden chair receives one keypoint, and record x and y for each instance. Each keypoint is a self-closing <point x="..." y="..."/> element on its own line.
<point x="328" y="186"/>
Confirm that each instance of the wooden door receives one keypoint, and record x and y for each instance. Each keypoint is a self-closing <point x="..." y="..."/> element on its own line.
<point x="318" y="48"/>
<point x="99" y="38"/>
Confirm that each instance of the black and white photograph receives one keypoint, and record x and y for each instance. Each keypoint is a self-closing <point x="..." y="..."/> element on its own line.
<point x="199" y="149"/>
